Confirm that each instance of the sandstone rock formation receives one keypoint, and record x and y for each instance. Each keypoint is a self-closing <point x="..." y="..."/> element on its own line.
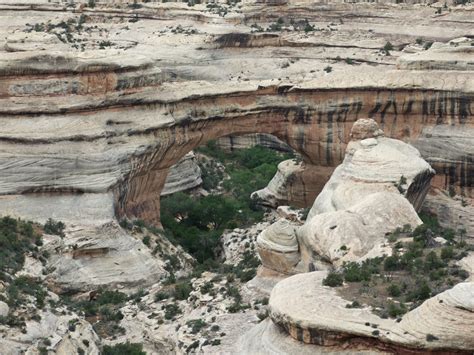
<point x="278" y="247"/>
<point x="182" y="176"/>
<point x="251" y="140"/>
<point x="106" y="256"/>
<point x="97" y="127"/>
<point x="315" y="314"/>
<point x="363" y="200"/>
<point x="55" y="328"/>
<point x="268" y="339"/>
<point x="97" y="104"/>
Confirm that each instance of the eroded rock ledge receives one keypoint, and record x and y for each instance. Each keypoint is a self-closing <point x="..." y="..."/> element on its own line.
<point x="315" y="314"/>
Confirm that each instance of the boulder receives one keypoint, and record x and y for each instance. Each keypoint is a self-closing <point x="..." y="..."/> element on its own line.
<point x="278" y="247"/>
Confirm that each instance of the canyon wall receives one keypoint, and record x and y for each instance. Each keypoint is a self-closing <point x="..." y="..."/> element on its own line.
<point x="103" y="126"/>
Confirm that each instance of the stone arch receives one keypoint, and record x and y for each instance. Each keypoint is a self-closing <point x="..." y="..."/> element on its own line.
<point x="138" y="196"/>
<point x="315" y="123"/>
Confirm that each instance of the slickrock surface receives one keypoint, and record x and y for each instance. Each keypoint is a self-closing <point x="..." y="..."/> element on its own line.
<point x="54" y="327"/>
<point x="104" y="104"/>
<point x="98" y="104"/>
<point x="106" y="256"/>
<point x="315" y="314"/>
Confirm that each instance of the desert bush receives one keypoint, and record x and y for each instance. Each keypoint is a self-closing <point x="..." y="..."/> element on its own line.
<point x="196" y="325"/>
<point x="394" y="290"/>
<point x="123" y="349"/>
<point x="54" y="227"/>
<point x="333" y="279"/>
<point x="172" y="310"/>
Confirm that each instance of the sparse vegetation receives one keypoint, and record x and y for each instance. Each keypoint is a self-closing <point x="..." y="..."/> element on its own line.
<point x="171" y="310"/>
<point x="388" y="47"/>
<point x="333" y="279"/>
<point x="123" y="349"/>
<point x="104" y="307"/>
<point x="54" y="227"/>
<point x="416" y="270"/>
<point x="196" y="325"/>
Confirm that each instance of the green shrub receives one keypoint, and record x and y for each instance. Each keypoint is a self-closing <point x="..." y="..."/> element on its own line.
<point x="394" y="290"/>
<point x="54" y="227"/>
<point x="447" y="253"/>
<point x="182" y="290"/>
<point x="160" y="296"/>
<point x="328" y="69"/>
<point x="207" y="287"/>
<point x="111" y="297"/>
<point x="354" y="272"/>
<point x="388" y="47"/>
<point x="123" y="349"/>
<point x="172" y="310"/>
<point x="354" y="304"/>
<point x="391" y="263"/>
<point x="421" y="293"/>
<point x="333" y="279"/>
<point x="196" y="325"/>
<point x="396" y="310"/>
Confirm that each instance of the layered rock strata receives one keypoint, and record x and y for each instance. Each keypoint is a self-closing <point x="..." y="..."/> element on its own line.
<point x="315" y="314"/>
<point x="184" y="175"/>
<point x="230" y="143"/>
<point x="278" y="247"/>
<point x="90" y="257"/>
<point x="93" y="120"/>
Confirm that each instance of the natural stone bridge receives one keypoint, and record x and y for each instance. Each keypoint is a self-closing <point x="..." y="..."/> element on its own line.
<point x="94" y="137"/>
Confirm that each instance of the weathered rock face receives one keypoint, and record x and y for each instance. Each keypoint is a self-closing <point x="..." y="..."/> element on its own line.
<point x="374" y="163"/>
<point x="269" y="339"/>
<point x="278" y="247"/>
<point x="251" y="140"/>
<point x="355" y="233"/>
<point x="182" y="176"/>
<point x="455" y="212"/>
<point x="315" y="314"/>
<point x="99" y="129"/>
<point x="364" y="199"/>
<point x="105" y="256"/>
<point x="55" y="328"/>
